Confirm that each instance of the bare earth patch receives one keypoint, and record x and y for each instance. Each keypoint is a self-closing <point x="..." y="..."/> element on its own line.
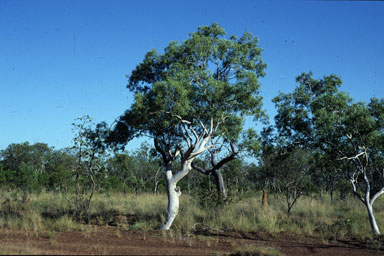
<point x="106" y="240"/>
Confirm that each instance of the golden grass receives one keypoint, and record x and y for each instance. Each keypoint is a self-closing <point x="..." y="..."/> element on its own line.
<point x="52" y="212"/>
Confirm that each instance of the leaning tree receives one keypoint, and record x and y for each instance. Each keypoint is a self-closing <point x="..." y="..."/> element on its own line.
<point x="320" y="117"/>
<point x="191" y="98"/>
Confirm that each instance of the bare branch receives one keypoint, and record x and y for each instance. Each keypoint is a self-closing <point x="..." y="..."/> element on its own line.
<point x="197" y="138"/>
<point x="201" y="170"/>
<point x="223" y="118"/>
<point x="202" y="125"/>
<point x="188" y="137"/>
<point x="217" y="140"/>
<point x="353" y="157"/>
<point x="379" y="193"/>
<point x="180" y="118"/>
<point x="353" y="183"/>
<point x="202" y="147"/>
<point x="211" y="127"/>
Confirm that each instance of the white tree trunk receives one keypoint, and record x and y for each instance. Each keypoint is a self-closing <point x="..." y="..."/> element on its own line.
<point x="173" y="203"/>
<point x="195" y="148"/>
<point x="174" y="192"/>
<point x="372" y="219"/>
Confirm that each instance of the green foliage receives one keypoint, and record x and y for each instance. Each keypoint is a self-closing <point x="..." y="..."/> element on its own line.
<point x="89" y="148"/>
<point x="206" y="192"/>
<point x="16" y="154"/>
<point x="287" y="172"/>
<point x="23" y="165"/>
<point x="136" y="171"/>
<point x="346" y="135"/>
<point x="26" y="178"/>
<point x="3" y="176"/>
<point x="60" y="178"/>
<point x="193" y="97"/>
<point x="205" y="78"/>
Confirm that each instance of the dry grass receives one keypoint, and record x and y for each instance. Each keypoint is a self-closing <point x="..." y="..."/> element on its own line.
<point x="51" y="212"/>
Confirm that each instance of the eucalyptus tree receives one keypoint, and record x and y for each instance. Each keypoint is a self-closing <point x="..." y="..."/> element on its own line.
<point x="364" y="135"/>
<point x="191" y="98"/>
<point x="319" y="116"/>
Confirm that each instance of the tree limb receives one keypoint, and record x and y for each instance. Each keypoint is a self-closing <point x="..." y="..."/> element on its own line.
<point x="201" y="170"/>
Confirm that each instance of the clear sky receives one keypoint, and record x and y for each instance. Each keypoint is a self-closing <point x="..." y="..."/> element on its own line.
<point x="63" y="59"/>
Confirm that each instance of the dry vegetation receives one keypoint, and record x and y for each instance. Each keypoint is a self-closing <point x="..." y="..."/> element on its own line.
<point x="311" y="216"/>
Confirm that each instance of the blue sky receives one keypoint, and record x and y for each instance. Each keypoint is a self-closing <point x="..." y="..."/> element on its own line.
<point x="63" y="59"/>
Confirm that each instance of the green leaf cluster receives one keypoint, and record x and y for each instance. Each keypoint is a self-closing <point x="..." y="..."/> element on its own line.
<point x="206" y="77"/>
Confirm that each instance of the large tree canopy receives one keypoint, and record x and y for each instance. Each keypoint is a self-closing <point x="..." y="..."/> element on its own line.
<point x="206" y="78"/>
<point x="194" y="96"/>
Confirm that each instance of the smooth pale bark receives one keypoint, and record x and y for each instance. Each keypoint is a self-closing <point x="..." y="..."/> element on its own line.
<point x="368" y="202"/>
<point x="195" y="148"/>
<point x="372" y="219"/>
<point x="174" y="192"/>
<point x="173" y="201"/>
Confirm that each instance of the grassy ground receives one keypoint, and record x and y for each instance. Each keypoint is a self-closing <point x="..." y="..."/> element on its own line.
<point x="51" y="212"/>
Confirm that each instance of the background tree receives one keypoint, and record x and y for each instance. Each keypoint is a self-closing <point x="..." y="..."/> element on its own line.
<point x="25" y="166"/>
<point x="89" y="148"/>
<point x="215" y="169"/>
<point x="136" y="170"/>
<point x="3" y="176"/>
<point x="318" y="116"/>
<point x="287" y="171"/>
<point x="326" y="174"/>
<point x="60" y="168"/>
<point x="26" y="179"/>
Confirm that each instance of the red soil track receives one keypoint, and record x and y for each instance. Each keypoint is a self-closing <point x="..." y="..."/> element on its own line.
<point x="105" y="240"/>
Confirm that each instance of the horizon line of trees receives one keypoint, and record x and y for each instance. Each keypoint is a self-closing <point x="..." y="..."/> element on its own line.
<point x="35" y="168"/>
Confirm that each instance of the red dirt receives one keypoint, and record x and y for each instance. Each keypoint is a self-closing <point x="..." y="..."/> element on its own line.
<point x="108" y="240"/>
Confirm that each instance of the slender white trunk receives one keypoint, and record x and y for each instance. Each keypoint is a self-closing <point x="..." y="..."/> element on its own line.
<point x="174" y="193"/>
<point x="173" y="203"/>
<point x="367" y="201"/>
<point x="372" y="219"/>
